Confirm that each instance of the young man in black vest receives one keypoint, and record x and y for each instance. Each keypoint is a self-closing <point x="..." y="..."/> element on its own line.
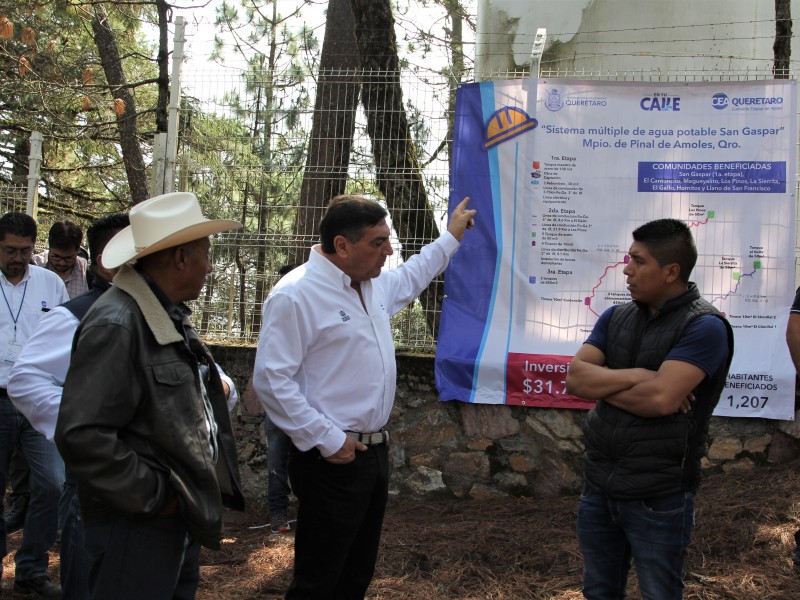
<point x="793" y="341"/>
<point x="656" y="366"/>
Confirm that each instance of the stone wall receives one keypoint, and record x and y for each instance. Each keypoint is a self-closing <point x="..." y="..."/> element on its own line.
<point x="454" y="449"/>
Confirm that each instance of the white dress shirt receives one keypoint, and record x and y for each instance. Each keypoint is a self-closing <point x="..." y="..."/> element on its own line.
<point x="37" y="378"/>
<point x="324" y="365"/>
<point x="38" y="291"/>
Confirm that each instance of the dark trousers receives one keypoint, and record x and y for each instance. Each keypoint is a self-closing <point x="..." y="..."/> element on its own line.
<point x="138" y="558"/>
<point x="339" y="520"/>
<point x="654" y="532"/>
<point x="18" y="477"/>
<point x="278" y="489"/>
<point x="75" y="561"/>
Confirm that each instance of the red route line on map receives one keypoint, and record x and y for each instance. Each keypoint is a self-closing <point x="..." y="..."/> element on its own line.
<point x="599" y="281"/>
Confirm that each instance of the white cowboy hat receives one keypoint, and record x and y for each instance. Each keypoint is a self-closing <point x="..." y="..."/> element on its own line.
<point x="162" y="222"/>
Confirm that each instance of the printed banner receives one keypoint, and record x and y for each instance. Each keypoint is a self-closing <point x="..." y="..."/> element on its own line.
<point x="561" y="172"/>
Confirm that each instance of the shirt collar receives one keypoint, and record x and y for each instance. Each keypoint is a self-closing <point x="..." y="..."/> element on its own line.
<point x="329" y="270"/>
<point x="48" y="265"/>
<point x="25" y="277"/>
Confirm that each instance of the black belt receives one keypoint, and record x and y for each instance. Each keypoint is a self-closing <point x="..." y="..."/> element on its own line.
<point x="370" y="439"/>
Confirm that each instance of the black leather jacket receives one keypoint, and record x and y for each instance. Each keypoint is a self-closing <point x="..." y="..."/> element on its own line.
<point x="131" y="426"/>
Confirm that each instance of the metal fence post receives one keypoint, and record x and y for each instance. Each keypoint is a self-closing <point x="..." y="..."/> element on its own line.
<point x="537" y="51"/>
<point x="34" y="164"/>
<point x="174" y="106"/>
<point x="159" y="156"/>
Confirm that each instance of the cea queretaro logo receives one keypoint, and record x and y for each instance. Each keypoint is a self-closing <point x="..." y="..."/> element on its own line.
<point x="719" y="101"/>
<point x="752" y="103"/>
<point x="661" y="102"/>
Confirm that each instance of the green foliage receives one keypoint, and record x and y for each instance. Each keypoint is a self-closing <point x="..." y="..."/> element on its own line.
<point x="247" y="164"/>
<point x="61" y="91"/>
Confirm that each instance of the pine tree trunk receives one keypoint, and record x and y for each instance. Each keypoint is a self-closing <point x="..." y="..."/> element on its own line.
<point x="397" y="166"/>
<point x="782" y="48"/>
<point x="125" y="104"/>
<point x="325" y="174"/>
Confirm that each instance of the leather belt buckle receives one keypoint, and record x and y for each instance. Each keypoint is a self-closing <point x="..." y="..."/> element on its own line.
<point x="375" y="438"/>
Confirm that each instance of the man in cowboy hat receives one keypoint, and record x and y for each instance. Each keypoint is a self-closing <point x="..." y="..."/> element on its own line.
<point x="143" y="426"/>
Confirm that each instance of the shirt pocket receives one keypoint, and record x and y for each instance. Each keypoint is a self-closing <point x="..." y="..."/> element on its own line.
<point x="174" y="388"/>
<point x="172" y="373"/>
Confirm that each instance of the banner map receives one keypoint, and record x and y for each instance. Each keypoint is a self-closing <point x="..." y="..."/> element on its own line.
<point x="561" y="172"/>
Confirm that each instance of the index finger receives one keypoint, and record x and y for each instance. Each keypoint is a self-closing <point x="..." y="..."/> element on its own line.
<point x="463" y="204"/>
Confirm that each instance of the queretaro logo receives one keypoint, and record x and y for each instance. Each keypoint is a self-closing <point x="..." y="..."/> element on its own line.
<point x="719" y="101"/>
<point x="554" y="101"/>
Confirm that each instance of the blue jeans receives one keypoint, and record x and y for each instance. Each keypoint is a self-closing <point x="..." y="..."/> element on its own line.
<point x="654" y="532"/>
<point x="75" y="561"/>
<point x="46" y="481"/>
<point x="278" y="489"/>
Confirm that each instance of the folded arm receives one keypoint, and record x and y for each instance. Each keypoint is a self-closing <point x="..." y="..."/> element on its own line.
<point x="642" y="392"/>
<point x="670" y="391"/>
<point x="36" y="379"/>
<point x="793" y="339"/>
<point x="589" y="378"/>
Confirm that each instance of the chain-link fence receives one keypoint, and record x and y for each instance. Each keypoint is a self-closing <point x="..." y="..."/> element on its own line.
<point x="257" y="168"/>
<point x="12" y="198"/>
<point x="249" y="156"/>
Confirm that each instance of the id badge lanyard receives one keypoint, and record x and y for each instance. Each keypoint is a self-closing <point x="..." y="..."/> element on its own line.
<point x="13" y="349"/>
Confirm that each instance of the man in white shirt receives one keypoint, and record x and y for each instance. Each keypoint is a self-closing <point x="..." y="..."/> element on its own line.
<point x="35" y="385"/>
<point x="325" y="373"/>
<point x="28" y="293"/>
<point x="62" y="258"/>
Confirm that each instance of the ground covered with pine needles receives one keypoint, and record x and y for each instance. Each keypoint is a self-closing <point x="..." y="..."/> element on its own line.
<point x="516" y="549"/>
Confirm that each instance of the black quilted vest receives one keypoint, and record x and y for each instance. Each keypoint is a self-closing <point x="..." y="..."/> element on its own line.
<point x="80" y="305"/>
<point x="630" y="457"/>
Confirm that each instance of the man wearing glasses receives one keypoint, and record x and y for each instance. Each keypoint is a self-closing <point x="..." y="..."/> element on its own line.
<point x="64" y="241"/>
<point x="28" y="292"/>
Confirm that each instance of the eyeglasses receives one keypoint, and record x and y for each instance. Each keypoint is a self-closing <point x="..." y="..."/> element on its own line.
<point x="59" y="258"/>
<point x="21" y="252"/>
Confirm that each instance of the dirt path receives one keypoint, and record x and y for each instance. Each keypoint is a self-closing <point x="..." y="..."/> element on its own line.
<point x="515" y="549"/>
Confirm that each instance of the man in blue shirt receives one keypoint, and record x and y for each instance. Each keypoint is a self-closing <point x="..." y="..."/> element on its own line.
<point x="656" y="367"/>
